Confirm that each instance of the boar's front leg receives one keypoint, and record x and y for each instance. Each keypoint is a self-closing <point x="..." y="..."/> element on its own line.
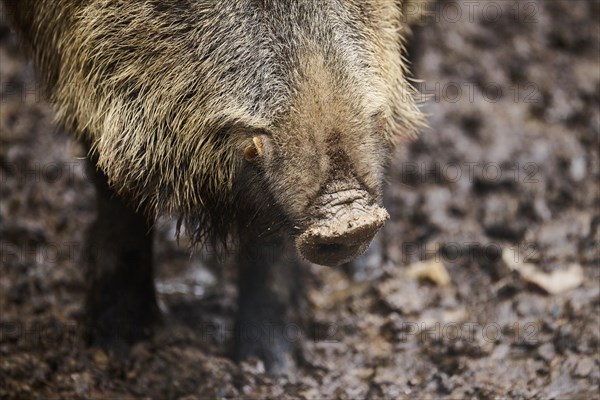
<point x="120" y="302"/>
<point x="269" y="290"/>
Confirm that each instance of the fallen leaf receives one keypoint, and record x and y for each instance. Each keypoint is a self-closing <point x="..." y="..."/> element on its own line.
<point x="554" y="282"/>
<point x="432" y="270"/>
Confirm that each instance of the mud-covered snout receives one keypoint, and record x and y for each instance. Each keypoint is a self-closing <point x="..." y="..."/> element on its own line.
<point x="346" y="222"/>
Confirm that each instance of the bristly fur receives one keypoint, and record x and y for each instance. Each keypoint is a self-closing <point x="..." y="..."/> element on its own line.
<point x="168" y="92"/>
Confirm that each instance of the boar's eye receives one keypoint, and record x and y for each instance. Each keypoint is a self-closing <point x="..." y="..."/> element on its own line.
<point x="254" y="151"/>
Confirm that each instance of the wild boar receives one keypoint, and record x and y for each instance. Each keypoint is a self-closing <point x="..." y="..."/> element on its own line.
<point x="269" y="122"/>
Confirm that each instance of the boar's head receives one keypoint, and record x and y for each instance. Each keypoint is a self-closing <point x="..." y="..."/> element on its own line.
<point x="317" y="169"/>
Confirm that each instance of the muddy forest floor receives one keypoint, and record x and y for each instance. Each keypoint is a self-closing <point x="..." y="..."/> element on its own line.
<point x="510" y="165"/>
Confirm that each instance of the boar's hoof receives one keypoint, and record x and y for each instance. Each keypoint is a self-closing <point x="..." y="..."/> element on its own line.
<point x="343" y="237"/>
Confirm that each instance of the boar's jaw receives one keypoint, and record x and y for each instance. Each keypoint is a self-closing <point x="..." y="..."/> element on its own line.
<point x="346" y="223"/>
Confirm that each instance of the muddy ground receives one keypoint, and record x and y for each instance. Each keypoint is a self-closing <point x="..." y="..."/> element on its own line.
<point x="507" y="173"/>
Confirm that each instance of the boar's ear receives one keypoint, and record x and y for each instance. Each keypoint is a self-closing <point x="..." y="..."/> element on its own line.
<point x="254" y="151"/>
<point x="256" y="148"/>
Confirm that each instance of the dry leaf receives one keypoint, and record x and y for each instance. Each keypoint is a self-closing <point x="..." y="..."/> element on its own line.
<point x="432" y="270"/>
<point x="554" y="282"/>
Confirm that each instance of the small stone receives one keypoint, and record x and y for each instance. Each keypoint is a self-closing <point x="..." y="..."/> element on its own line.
<point x="546" y="352"/>
<point x="501" y="351"/>
<point x="100" y="359"/>
<point x="253" y="366"/>
<point x="404" y="297"/>
<point x="414" y="381"/>
<point x="577" y="169"/>
<point x="584" y="367"/>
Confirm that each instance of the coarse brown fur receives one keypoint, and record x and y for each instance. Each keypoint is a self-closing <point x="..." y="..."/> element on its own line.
<point x="169" y="93"/>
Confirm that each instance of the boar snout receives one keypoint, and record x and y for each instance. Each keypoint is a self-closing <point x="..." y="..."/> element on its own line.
<point x="346" y="223"/>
